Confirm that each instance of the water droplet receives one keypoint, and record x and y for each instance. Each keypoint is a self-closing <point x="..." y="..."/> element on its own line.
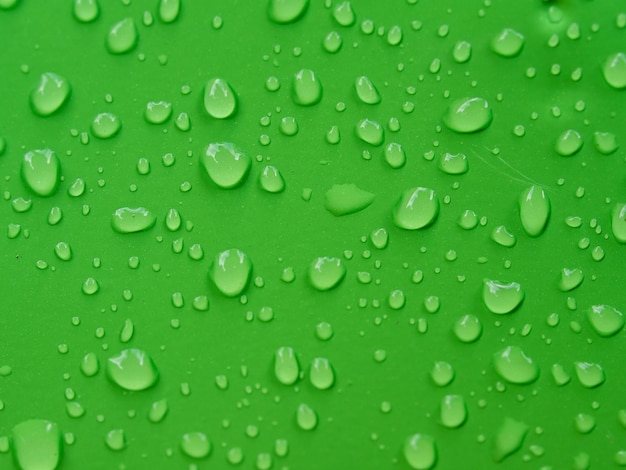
<point x="157" y="112"/>
<point x="509" y="438"/>
<point x="126" y="334"/>
<point x="20" y="204"/>
<point x="417" y="208"/>
<point x="503" y="237"/>
<point x="271" y="180"/>
<point x="90" y="286"/>
<point x="183" y="122"/>
<point x="468" y="220"/>
<point x="63" y="251"/>
<point x="307" y="89"/>
<point x="289" y="126"/>
<point x="453" y="411"/>
<point x="344" y="199"/>
<point x="41" y="171"/>
<point x="324" y="331"/>
<point x="235" y="455"/>
<point x="306" y="417"/>
<point x="442" y="373"/>
<point x="169" y="10"/>
<point x="344" y="14"/>
<point x="432" y="304"/>
<point x="462" y="52"/>
<point x="230" y="271"/>
<point x="420" y="451"/>
<point x="508" y="43"/>
<point x="226" y="164"/>
<point x="195" y="445"/>
<point x="395" y="156"/>
<point x="286" y="367"/>
<point x="584" y="423"/>
<point x="605" y="142"/>
<point x="122" y="37"/>
<point x="570" y="279"/>
<point x="514" y="366"/>
<point x="326" y="273"/>
<point x="77" y="188"/>
<point x="158" y="410"/>
<point x="618" y="222"/>
<point x="132" y="219"/>
<point x="37" y="444"/>
<point x="380" y="238"/>
<point x="115" y="439"/>
<point x="13" y="230"/>
<point x="568" y="143"/>
<point x="90" y="365"/>
<point x="332" y="42"/>
<point x="614" y="70"/>
<point x="106" y="125"/>
<point x="394" y="35"/>
<point x="468" y="328"/>
<point x="286" y="11"/>
<point x="74" y="409"/>
<point x="501" y="297"/>
<point x="132" y="369"/>
<point x="605" y="320"/>
<point x="366" y="90"/>
<point x="322" y="374"/>
<point x="454" y="164"/>
<point x="200" y="303"/>
<point x="51" y="93"/>
<point x="590" y="374"/>
<point x="396" y="299"/>
<point x="86" y="11"/>
<point x="370" y="132"/>
<point x="534" y="207"/>
<point x="173" y="221"/>
<point x="220" y="100"/>
<point x="468" y="115"/>
<point x="560" y="376"/>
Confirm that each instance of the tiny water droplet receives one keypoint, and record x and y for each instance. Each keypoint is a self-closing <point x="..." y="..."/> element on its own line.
<point x="195" y="445"/>
<point x="420" y="451"/>
<point x="326" y="273"/>
<point x="454" y="164"/>
<point x="618" y="222"/>
<point x="370" y="132"/>
<point x="41" y="171"/>
<point x="157" y="112"/>
<point x="501" y="298"/>
<point x="106" y="125"/>
<point x="590" y="374"/>
<point x="226" y="164"/>
<point x="230" y="271"/>
<point x="169" y="10"/>
<point x="271" y="180"/>
<point x="568" y="143"/>
<point x="462" y="52"/>
<point x="614" y="70"/>
<point x="306" y="418"/>
<point x="509" y="438"/>
<point x="605" y="142"/>
<point x="133" y="369"/>
<point x="416" y="208"/>
<point x="51" y="93"/>
<point x="286" y="11"/>
<point x="37" y="444"/>
<point x="322" y="375"/>
<point x="220" y="100"/>
<point x="508" y="43"/>
<point x="115" y="439"/>
<point x="534" y="207"/>
<point x="468" y="115"/>
<point x="344" y="199"/>
<point x="395" y="156"/>
<point x="570" y="279"/>
<point x="122" y="37"/>
<point x="453" y="411"/>
<point x="468" y="328"/>
<point x="86" y="11"/>
<point x="442" y="373"/>
<point x="307" y="88"/>
<point x="132" y="219"/>
<point x="514" y="366"/>
<point x="158" y="410"/>
<point x="605" y="320"/>
<point x="366" y="90"/>
<point x="503" y="237"/>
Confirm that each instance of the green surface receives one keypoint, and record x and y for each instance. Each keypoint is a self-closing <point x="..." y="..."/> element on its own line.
<point x="327" y="235"/>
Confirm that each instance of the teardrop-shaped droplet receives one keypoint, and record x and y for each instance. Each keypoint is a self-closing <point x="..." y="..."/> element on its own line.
<point x="370" y="132"/>
<point x="286" y="11"/>
<point x="453" y="411"/>
<point x="442" y="373"/>
<point x="122" y="37"/>
<point x="394" y="35"/>
<point x="509" y="438"/>
<point x="503" y="237"/>
<point x="344" y="14"/>
<point x="332" y="42"/>
<point x="366" y="90"/>
<point x="605" y="320"/>
<point x="570" y="279"/>
<point x="468" y="328"/>
<point x="569" y="143"/>
<point x="514" y="366"/>
<point x="195" y="445"/>
<point x="158" y="410"/>
<point x="230" y="271"/>
<point x="90" y="365"/>
<point x="286" y="366"/>
<point x="63" y="251"/>
<point x="51" y="93"/>
<point x="605" y="142"/>
<point x="454" y="164"/>
<point x="502" y="297"/>
<point x="326" y="273"/>
<point x="380" y="238"/>
<point x="590" y="374"/>
<point x="462" y="52"/>
<point x="306" y="418"/>
<point x="169" y="10"/>
<point x="183" y="122"/>
<point x="322" y="374"/>
<point x="344" y="199"/>
<point x="132" y="369"/>
<point x="534" y="210"/>
<point x="115" y="439"/>
<point x="614" y="70"/>
<point x="420" y="452"/>
<point x="468" y="115"/>
<point x="395" y="156"/>
<point x="508" y="43"/>
<point x="618" y="222"/>
<point x="132" y="219"/>
<point x="173" y="220"/>
<point x="468" y="220"/>
<point x="90" y="286"/>
<point x="417" y="208"/>
<point x="307" y="88"/>
<point x="271" y="180"/>
<point x="86" y="11"/>
<point x="106" y="125"/>
<point x="41" y="171"/>
<point x="37" y="445"/>
<point x="157" y="112"/>
<point x="220" y="100"/>
<point x="226" y="164"/>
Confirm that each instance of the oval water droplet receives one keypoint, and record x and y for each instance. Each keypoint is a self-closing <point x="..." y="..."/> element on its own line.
<point x="468" y="115"/>
<point x="173" y="220"/>
<point x="306" y="418"/>
<point x="133" y="369"/>
<point x="322" y="375"/>
<point x="220" y="100"/>
<point x="509" y="438"/>
<point x="90" y="286"/>
<point x="605" y="320"/>
<point x="230" y="271"/>
<point x="115" y="439"/>
<point x="618" y="222"/>
<point x="157" y="112"/>
<point x="508" y="43"/>
<point x="584" y="423"/>
<point x="286" y="366"/>
<point x="51" y="93"/>
<point x="366" y="90"/>
<point x="534" y="208"/>
<point x="605" y="142"/>
<point x="271" y="180"/>
<point x="122" y="37"/>
<point x="307" y="88"/>
<point x="37" y="444"/>
<point x="514" y="366"/>
<point x="454" y="164"/>
<point x="106" y="125"/>
<point x="195" y="445"/>
<point x="344" y="14"/>
<point x="370" y="132"/>
<point x="468" y="220"/>
<point x="332" y="42"/>
<point x="590" y="374"/>
<point x="344" y="199"/>
<point x="90" y="365"/>
<point x="326" y="273"/>
<point x="86" y="11"/>
<point x="503" y="237"/>
<point x="462" y="52"/>
<point x="132" y="219"/>
<point x="468" y="328"/>
<point x="420" y="451"/>
<point x="288" y="126"/>
<point x="183" y="122"/>
<point x="158" y="410"/>
<point x="614" y="70"/>
<point x="395" y="156"/>
<point x="570" y="279"/>
<point x="286" y="11"/>
<point x="500" y="297"/>
<point x="41" y="171"/>
<point x="226" y="164"/>
<point x="417" y="208"/>
<point x="453" y="411"/>
<point x="324" y="331"/>
<point x="169" y="10"/>
<point x="380" y="238"/>
<point x="442" y="373"/>
<point x="396" y="299"/>
<point x="63" y="251"/>
<point x="127" y="332"/>
<point x="568" y="143"/>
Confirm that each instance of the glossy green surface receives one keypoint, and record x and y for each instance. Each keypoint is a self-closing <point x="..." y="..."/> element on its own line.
<point x="301" y="235"/>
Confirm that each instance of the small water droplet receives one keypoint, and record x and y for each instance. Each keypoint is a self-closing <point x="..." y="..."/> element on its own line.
<point x="74" y="409"/>
<point x="453" y="411"/>
<point x="231" y="271"/>
<point x="605" y="142"/>
<point x="468" y="115"/>
<point x="618" y="222"/>
<point x="133" y="369"/>
<point x="534" y="207"/>
<point x="37" y="444"/>
<point x="605" y="320"/>
<point x="324" y="331"/>
<point x="584" y="423"/>
<point x="157" y="112"/>
<point x="417" y="208"/>
<point x="195" y="445"/>
<point x="286" y="11"/>
<point x="132" y="219"/>
<point x="158" y="410"/>
<point x="41" y="171"/>
<point x="288" y="126"/>
<point x="396" y="299"/>
<point x="220" y="100"/>
<point x="502" y="297"/>
<point x="366" y="90"/>
<point x="570" y="279"/>
<point x="286" y="366"/>
<point x="380" y="238"/>
<point x="307" y="88"/>
<point x="306" y="418"/>
<point x="370" y="132"/>
<point x="590" y="374"/>
<point x="271" y="180"/>
<point x="454" y="164"/>
<point x="63" y="251"/>
<point x="568" y="143"/>
<point x="420" y="451"/>
<point x="115" y="439"/>
<point x="468" y="220"/>
<point x="509" y="438"/>
<point x="344" y="199"/>
<point x="126" y="334"/>
<point x="344" y="14"/>
<point x="322" y="375"/>
<point x="169" y="10"/>
<point x="77" y="188"/>
<point x="395" y="156"/>
<point x="468" y="328"/>
<point x="106" y="125"/>
<point x="332" y="42"/>
<point x="442" y="373"/>
<point x="614" y="70"/>
<point x="90" y="365"/>
<point x="394" y="35"/>
<point x="122" y="37"/>
<point x="514" y="366"/>
<point x="462" y="52"/>
<point x="326" y="273"/>
<point x="503" y="237"/>
<point x="51" y="93"/>
<point x="508" y="43"/>
<point x="90" y="286"/>
<point x="86" y="11"/>
<point x="560" y="376"/>
<point x="173" y="220"/>
<point x="20" y="204"/>
<point x="183" y="122"/>
<point x="226" y="164"/>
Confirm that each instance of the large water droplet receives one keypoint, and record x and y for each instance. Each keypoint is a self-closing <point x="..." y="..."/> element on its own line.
<point x="417" y="208"/>
<point x="344" y="14"/>
<point x="230" y="271"/>
<point x="322" y="374"/>
<point x="306" y="418"/>
<point x="106" y="125"/>
<point x="453" y="411"/>
<point x="534" y="210"/>
<point x="501" y="297"/>
<point x="508" y="43"/>
<point x="169" y="10"/>
<point x="509" y="438"/>
<point x="568" y="143"/>
<point x="614" y="70"/>
<point x="420" y="451"/>
<point x="226" y="164"/>
<point x="37" y="444"/>
<point x="50" y="94"/>
<point x="514" y="366"/>
<point x="122" y="37"/>
<point x="590" y="374"/>
<point x="286" y="366"/>
<point x="605" y="320"/>
<point x="344" y="199"/>
<point x="286" y="11"/>
<point x="220" y="100"/>
<point x="271" y="180"/>
<point x="468" y="115"/>
<point x="618" y="222"/>
<point x="326" y="273"/>
<point x="86" y="11"/>
<point x="196" y="445"/>
<point x="370" y="132"/>
<point x="366" y="90"/>
<point x="307" y="89"/>
<point x="468" y="328"/>
<point x="570" y="279"/>
<point x="132" y="219"/>
<point x="132" y="369"/>
<point x="454" y="164"/>
<point x="41" y="171"/>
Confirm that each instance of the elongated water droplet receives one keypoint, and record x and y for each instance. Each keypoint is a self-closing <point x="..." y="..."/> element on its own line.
<point x="271" y="180"/>
<point x="508" y="43"/>
<point x="420" y="451"/>
<point x="132" y="219"/>
<point x="590" y="374"/>
<point x="605" y="142"/>
<point x="169" y="10"/>
<point x="158" y="410"/>
<point x="534" y="208"/>
<point x="322" y="374"/>
<point x="468" y="115"/>
<point x="344" y="14"/>
<point x="122" y="37"/>
<point x="370" y="132"/>
<point x="126" y="334"/>
<point x="454" y="164"/>
<point x="395" y="156"/>
<point x="570" y="279"/>
<point x="132" y="369"/>
<point x="394" y="35"/>
<point x="605" y="320"/>
<point x="196" y="445"/>
<point x="417" y="208"/>
<point x="568" y="143"/>
<point x="157" y="112"/>
<point x="468" y="328"/>
<point x="344" y="199"/>
<point x="90" y="365"/>
<point x="442" y="373"/>
<point x="307" y="88"/>
<point x="37" y="444"/>
<point x="514" y="366"/>
<point x="86" y="11"/>
<point x="51" y="93"/>
<point x="503" y="237"/>
<point x="286" y="11"/>
<point x="326" y="273"/>
<point x="614" y="70"/>
<point x="183" y="122"/>
<point x="41" y="171"/>
<point x="230" y="271"/>
<point x="306" y="417"/>
<point x="220" y="100"/>
<point x="618" y="222"/>
<point x="106" y="125"/>
<point x="366" y="90"/>
<point x="509" y="438"/>
<point x="500" y="297"/>
<point x="462" y="52"/>
<point x="115" y="439"/>
<point x="286" y="366"/>
<point x="226" y="164"/>
<point x="453" y="411"/>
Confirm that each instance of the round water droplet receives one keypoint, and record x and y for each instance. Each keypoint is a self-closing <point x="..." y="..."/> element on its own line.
<point x="618" y="222"/>
<point x="568" y="143"/>
<point x="420" y="451"/>
<point x="63" y="251"/>
<point x="614" y="70"/>
<point x="454" y="164"/>
<point x="122" y="37"/>
<point x="534" y="207"/>
<point x="226" y="164"/>
<point x="286" y="366"/>
<point x="132" y="369"/>
<point x="584" y="423"/>
<point x="432" y="304"/>
<point x="271" y="180"/>
<point x="326" y="273"/>
<point x="332" y="42"/>
<point x="288" y="126"/>
<point x="396" y="299"/>
<point x="74" y="409"/>
<point x="366" y="90"/>
<point x="183" y="122"/>
<point x="220" y="100"/>
<point x="307" y="89"/>
<point x="508" y="43"/>
<point x="158" y="410"/>
<point x="503" y="237"/>
<point x="51" y="93"/>
<point x="509" y="438"/>
<point x="370" y="132"/>
<point x="605" y="142"/>
<point x="90" y="286"/>
<point x="442" y="373"/>
<point x="322" y="374"/>
<point x="41" y="171"/>
<point x="115" y="439"/>
<point x="86" y="11"/>
<point x="468" y="115"/>
<point x="395" y="156"/>
<point x="344" y="14"/>
<point x="570" y="279"/>
<point x="230" y="271"/>
<point x="417" y="208"/>
<point x="453" y="411"/>
<point x="37" y="444"/>
<point x="462" y="52"/>
<point x="132" y="219"/>
<point x="468" y="220"/>
<point x="344" y="199"/>
<point x="605" y="320"/>
<point x="324" y="331"/>
<point x="157" y="112"/>
<point x="286" y="11"/>
<point x="514" y="366"/>
<point x="501" y="297"/>
<point x="590" y="374"/>
<point x="169" y="10"/>
<point x="306" y="418"/>
<point x="196" y="445"/>
<point x="468" y="328"/>
<point x="106" y="125"/>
